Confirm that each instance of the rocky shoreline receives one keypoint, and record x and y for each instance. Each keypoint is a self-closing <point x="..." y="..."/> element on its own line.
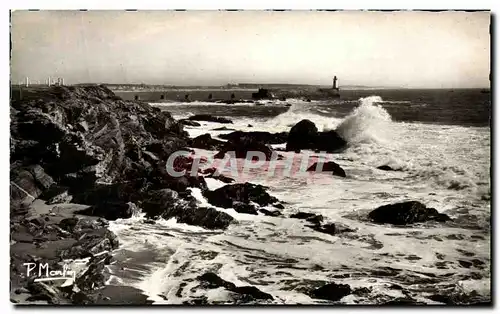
<point x="81" y="156"/>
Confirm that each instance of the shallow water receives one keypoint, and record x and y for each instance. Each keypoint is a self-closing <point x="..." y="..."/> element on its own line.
<point x="444" y="166"/>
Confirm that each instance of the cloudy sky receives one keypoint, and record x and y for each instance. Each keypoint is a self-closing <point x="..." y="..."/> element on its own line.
<point x="405" y="49"/>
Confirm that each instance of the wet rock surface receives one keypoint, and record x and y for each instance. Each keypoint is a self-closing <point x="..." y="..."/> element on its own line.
<point x="259" y="136"/>
<point x="331" y="291"/>
<point x="240" y="192"/>
<point x="206" y="141"/>
<point x="213" y="281"/>
<point x="209" y="118"/>
<point x="242" y="147"/>
<point x="305" y="135"/>
<point x="82" y="144"/>
<point x="406" y="213"/>
<point x="167" y="204"/>
<point x="328" y="166"/>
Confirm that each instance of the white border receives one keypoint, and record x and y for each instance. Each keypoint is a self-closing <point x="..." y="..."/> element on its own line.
<point x="203" y="5"/>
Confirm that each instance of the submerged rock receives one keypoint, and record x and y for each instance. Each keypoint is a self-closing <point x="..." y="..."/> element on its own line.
<point x="406" y="213"/>
<point x="387" y="168"/>
<point x="189" y="122"/>
<point x="210" y="118"/>
<point x="223" y="128"/>
<point x="328" y="166"/>
<point x="245" y="193"/>
<point x="310" y="217"/>
<point x="331" y="291"/>
<point x="213" y="281"/>
<point x="258" y="136"/>
<point x="272" y="213"/>
<point x="457" y="298"/>
<point x="331" y="228"/>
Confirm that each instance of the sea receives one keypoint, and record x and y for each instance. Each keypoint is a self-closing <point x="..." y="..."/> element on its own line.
<point x="439" y="141"/>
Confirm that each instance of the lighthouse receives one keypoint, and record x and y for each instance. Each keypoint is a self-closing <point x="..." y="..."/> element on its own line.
<point x="335" y="86"/>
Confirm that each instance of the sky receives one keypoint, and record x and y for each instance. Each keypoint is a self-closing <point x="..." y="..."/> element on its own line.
<point x="368" y="48"/>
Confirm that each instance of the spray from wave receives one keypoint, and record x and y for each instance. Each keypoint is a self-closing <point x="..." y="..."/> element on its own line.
<point x="369" y="122"/>
<point x="300" y="111"/>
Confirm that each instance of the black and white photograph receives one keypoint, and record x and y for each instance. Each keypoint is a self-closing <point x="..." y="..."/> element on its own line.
<point x="250" y="157"/>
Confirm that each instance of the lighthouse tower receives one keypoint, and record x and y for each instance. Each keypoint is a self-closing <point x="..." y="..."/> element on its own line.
<point x="335" y="85"/>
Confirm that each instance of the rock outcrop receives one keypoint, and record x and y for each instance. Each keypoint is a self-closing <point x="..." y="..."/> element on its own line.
<point x="305" y="135"/>
<point x="327" y="167"/>
<point x="406" y="213"/>
<point x="210" y="118"/>
<point x="249" y="293"/>
<point x="240" y="148"/>
<point x="167" y="204"/>
<point x="332" y="292"/>
<point x="206" y="141"/>
<point x="85" y="145"/>
<point x="258" y="136"/>
<point x="240" y="196"/>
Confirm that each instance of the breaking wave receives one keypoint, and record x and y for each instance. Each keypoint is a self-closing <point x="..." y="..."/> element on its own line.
<point x="369" y="122"/>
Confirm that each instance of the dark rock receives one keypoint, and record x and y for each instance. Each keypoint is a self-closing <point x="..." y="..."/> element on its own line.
<point x="227" y="195"/>
<point x="272" y="213"/>
<point x="258" y="136"/>
<point x="329" y="141"/>
<point x="328" y="166"/>
<point x="69" y="224"/>
<point x="327" y="228"/>
<point x="244" y="208"/>
<point x="465" y="264"/>
<point x="212" y="281"/>
<point x="405" y="213"/>
<point x="206" y="141"/>
<point x="262" y="93"/>
<point x="93" y="277"/>
<point x="455" y="298"/>
<point x="279" y="206"/>
<point x="386" y="168"/>
<point x="210" y="118"/>
<point x="362" y="291"/>
<point x="167" y="204"/>
<point x="331" y="228"/>
<point x="209" y="171"/>
<point x="43" y="292"/>
<point x="21" y="290"/>
<point x="239" y="149"/>
<point x="86" y="134"/>
<point x="305" y="135"/>
<point x="223" y="128"/>
<point x="403" y="301"/>
<point x="112" y="211"/>
<point x="27" y="184"/>
<point x="301" y="136"/>
<point x="91" y="242"/>
<point x="57" y="194"/>
<point x="189" y="122"/>
<point x="222" y="178"/>
<point x="331" y="291"/>
<point x="310" y="217"/>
